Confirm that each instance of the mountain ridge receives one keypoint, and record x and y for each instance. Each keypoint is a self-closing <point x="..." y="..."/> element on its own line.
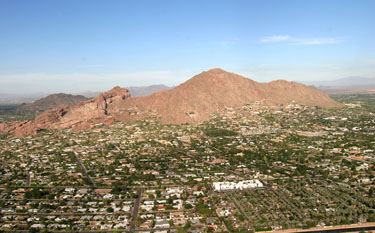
<point x="351" y="81"/>
<point x="134" y="90"/>
<point x="192" y="101"/>
<point x="347" y="85"/>
<point x="212" y="90"/>
<point x="50" y="102"/>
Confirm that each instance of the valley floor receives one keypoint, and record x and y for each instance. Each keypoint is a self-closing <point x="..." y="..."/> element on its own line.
<point x="247" y="169"/>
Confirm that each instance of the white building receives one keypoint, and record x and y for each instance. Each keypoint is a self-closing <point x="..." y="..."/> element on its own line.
<point x="244" y="184"/>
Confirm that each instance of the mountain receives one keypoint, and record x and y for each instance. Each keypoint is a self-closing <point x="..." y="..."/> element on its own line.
<point x="134" y="91"/>
<point x="192" y="101"/>
<point x="50" y="102"/>
<point x="348" y="85"/>
<point x="20" y="98"/>
<point x="146" y="90"/>
<point x="353" y="81"/>
<point x="89" y="94"/>
<point x="208" y="92"/>
<point x="80" y="116"/>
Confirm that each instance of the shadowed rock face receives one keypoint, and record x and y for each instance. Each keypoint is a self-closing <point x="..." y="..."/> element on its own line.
<point x="192" y="101"/>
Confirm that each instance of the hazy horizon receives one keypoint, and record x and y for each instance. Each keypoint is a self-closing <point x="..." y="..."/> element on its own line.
<point x="78" y="46"/>
<point x="39" y="94"/>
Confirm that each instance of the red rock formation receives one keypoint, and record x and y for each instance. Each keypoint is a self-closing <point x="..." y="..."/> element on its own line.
<point x="192" y="101"/>
<point x="80" y="116"/>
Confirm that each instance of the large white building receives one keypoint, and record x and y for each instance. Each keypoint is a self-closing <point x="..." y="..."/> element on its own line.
<point x="244" y="184"/>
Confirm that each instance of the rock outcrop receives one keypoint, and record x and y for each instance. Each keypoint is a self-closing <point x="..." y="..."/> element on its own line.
<point x="80" y="116"/>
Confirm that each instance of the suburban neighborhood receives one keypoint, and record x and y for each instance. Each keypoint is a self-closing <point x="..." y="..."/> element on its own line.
<point x="253" y="168"/>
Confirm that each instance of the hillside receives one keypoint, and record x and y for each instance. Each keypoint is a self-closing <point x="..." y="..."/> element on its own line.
<point x="210" y="91"/>
<point x="80" y="116"/>
<point x="50" y="102"/>
<point x="192" y="101"/>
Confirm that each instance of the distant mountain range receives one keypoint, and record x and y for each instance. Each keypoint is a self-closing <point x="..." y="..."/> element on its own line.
<point x="6" y="98"/>
<point x="146" y="90"/>
<point x="193" y="101"/>
<point x="29" y="98"/>
<point x="349" y="85"/>
<point x="50" y="102"/>
<point x="134" y="91"/>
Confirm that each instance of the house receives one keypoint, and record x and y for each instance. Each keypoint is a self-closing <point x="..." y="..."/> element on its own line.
<point x="38" y="226"/>
<point x="120" y="226"/>
<point x="161" y="223"/>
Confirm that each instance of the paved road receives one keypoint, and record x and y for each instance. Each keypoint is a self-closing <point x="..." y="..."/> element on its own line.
<point x="136" y="209"/>
<point x="238" y="206"/>
<point x="102" y="231"/>
<point x="28" y="178"/>
<point x="335" y="229"/>
<point x="296" y="210"/>
<point x="69" y="199"/>
<point x="65" y="214"/>
<point x="97" y="187"/>
<point x="84" y="171"/>
<point x="331" y="229"/>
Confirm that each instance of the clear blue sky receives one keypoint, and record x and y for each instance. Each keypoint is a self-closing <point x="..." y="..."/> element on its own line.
<point x="77" y="45"/>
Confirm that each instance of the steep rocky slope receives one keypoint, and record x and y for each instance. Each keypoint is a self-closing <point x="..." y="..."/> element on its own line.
<point x="80" y="116"/>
